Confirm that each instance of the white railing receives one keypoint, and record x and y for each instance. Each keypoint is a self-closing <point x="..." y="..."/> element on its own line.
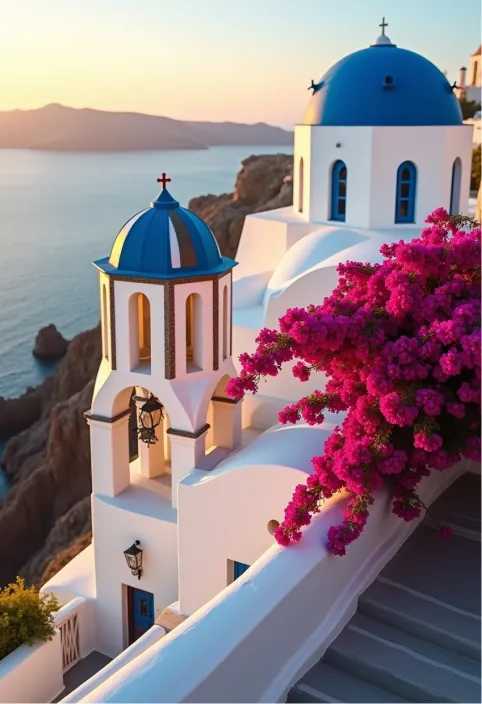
<point x="75" y="621"/>
<point x="69" y="636"/>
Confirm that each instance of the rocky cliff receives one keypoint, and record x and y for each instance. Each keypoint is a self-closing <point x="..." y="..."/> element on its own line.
<point x="264" y="183"/>
<point x="46" y="514"/>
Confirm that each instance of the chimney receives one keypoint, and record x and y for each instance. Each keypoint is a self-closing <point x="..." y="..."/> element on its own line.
<point x="463" y="71"/>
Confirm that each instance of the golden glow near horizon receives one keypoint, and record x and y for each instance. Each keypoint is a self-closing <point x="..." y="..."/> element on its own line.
<point x="238" y="60"/>
<point x="56" y="59"/>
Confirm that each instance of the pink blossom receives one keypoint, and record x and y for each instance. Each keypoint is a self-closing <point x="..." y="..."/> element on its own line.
<point x="399" y="344"/>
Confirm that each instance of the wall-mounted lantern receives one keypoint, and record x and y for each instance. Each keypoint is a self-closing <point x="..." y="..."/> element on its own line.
<point x="150" y="415"/>
<point x="133" y="557"/>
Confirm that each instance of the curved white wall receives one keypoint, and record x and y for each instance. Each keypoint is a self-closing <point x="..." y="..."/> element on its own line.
<point x="255" y="639"/>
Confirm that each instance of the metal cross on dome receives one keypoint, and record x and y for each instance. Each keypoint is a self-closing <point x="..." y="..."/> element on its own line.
<point x="164" y="179"/>
<point x="383" y="25"/>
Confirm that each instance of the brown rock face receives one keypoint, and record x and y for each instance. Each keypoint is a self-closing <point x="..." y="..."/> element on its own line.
<point x="49" y="466"/>
<point x="45" y="517"/>
<point x="59" y="543"/>
<point x="49" y="344"/>
<point x="265" y="182"/>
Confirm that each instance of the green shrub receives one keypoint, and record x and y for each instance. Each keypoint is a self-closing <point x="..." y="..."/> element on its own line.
<point x="25" y="616"/>
<point x="475" y="175"/>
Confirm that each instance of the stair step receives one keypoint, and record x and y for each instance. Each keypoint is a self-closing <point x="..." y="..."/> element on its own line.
<point x="404" y="664"/>
<point x="422" y="616"/>
<point x="421" y="565"/>
<point x="324" y="683"/>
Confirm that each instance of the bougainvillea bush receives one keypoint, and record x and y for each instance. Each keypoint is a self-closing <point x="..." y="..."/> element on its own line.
<point x="399" y="342"/>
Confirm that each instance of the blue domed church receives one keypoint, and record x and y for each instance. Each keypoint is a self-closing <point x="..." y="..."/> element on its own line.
<point x="188" y="485"/>
<point x="382" y="143"/>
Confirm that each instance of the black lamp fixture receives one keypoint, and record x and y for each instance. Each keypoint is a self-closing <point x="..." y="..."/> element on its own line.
<point x="133" y="557"/>
<point x="150" y="415"/>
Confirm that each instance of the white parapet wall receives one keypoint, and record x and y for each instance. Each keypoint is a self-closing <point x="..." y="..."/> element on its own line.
<point x="32" y="673"/>
<point x="151" y="636"/>
<point x="254" y="640"/>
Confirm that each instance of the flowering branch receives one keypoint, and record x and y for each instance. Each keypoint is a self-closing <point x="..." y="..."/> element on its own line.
<point x="399" y="342"/>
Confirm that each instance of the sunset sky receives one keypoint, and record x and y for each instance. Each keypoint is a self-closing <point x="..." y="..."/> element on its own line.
<point x="238" y="60"/>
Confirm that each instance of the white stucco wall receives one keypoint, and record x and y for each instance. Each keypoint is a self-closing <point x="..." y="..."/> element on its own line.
<point x="266" y="629"/>
<point x="318" y="147"/>
<point x="136" y="514"/>
<point x="433" y="151"/>
<point x="259" y="253"/>
<point x="224" y="514"/>
<point x="32" y="673"/>
<point x="372" y="156"/>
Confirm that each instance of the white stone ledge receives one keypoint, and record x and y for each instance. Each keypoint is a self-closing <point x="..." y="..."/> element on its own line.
<point x="258" y="636"/>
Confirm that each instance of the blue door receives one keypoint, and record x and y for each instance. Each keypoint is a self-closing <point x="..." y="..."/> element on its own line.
<point x="239" y="569"/>
<point x="141" y="613"/>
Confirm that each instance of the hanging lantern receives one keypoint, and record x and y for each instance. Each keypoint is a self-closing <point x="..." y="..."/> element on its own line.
<point x="133" y="557"/>
<point x="150" y="415"/>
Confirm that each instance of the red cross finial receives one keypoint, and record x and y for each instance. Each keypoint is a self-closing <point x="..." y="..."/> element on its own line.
<point x="164" y="179"/>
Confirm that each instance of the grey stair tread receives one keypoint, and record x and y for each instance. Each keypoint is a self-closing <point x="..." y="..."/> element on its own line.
<point x="425" y="618"/>
<point x="324" y="683"/>
<point x="421" y="564"/>
<point x="463" y="526"/>
<point x="459" y="507"/>
<point x="402" y="663"/>
<point x="462" y="498"/>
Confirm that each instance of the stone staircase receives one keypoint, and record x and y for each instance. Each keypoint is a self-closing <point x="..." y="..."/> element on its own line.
<point x="416" y="634"/>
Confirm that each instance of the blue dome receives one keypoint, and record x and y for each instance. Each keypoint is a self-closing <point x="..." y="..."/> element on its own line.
<point x="383" y="85"/>
<point x="165" y="241"/>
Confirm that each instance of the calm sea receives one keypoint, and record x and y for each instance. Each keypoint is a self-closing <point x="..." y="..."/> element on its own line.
<point x="58" y="212"/>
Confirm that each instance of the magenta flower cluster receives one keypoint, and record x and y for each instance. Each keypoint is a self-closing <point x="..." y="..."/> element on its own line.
<point x="399" y="342"/>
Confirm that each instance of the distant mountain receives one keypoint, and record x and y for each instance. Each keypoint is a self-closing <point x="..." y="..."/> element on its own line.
<point x="59" y="128"/>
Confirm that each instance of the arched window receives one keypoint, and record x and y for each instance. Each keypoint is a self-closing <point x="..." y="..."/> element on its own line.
<point x="144" y="328"/>
<point x="406" y="192"/>
<point x="140" y="331"/>
<point x="474" y="74"/>
<point x="338" y="191"/>
<point x="194" y="333"/>
<point x="455" y="187"/>
<point x="105" y="324"/>
<point x="300" y="186"/>
<point x="225" y="322"/>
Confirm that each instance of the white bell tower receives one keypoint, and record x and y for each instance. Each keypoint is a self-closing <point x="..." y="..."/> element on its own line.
<point x="165" y="294"/>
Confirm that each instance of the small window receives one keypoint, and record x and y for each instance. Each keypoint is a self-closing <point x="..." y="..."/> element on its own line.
<point x="225" y="323"/>
<point x="105" y="324"/>
<point x="140" y="331"/>
<point x="455" y="187"/>
<point x="194" y="333"/>
<point x="300" y="186"/>
<point x="406" y="193"/>
<point x="339" y="177"/>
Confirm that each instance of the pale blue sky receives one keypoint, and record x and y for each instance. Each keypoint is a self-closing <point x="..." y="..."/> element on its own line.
<point x="239" y="60"/>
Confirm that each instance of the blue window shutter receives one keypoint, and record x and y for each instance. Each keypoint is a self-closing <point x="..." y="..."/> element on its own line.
<point x="239" y="569"/>
<point x="339" y="179"/>
<point x="406" y="193"/>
